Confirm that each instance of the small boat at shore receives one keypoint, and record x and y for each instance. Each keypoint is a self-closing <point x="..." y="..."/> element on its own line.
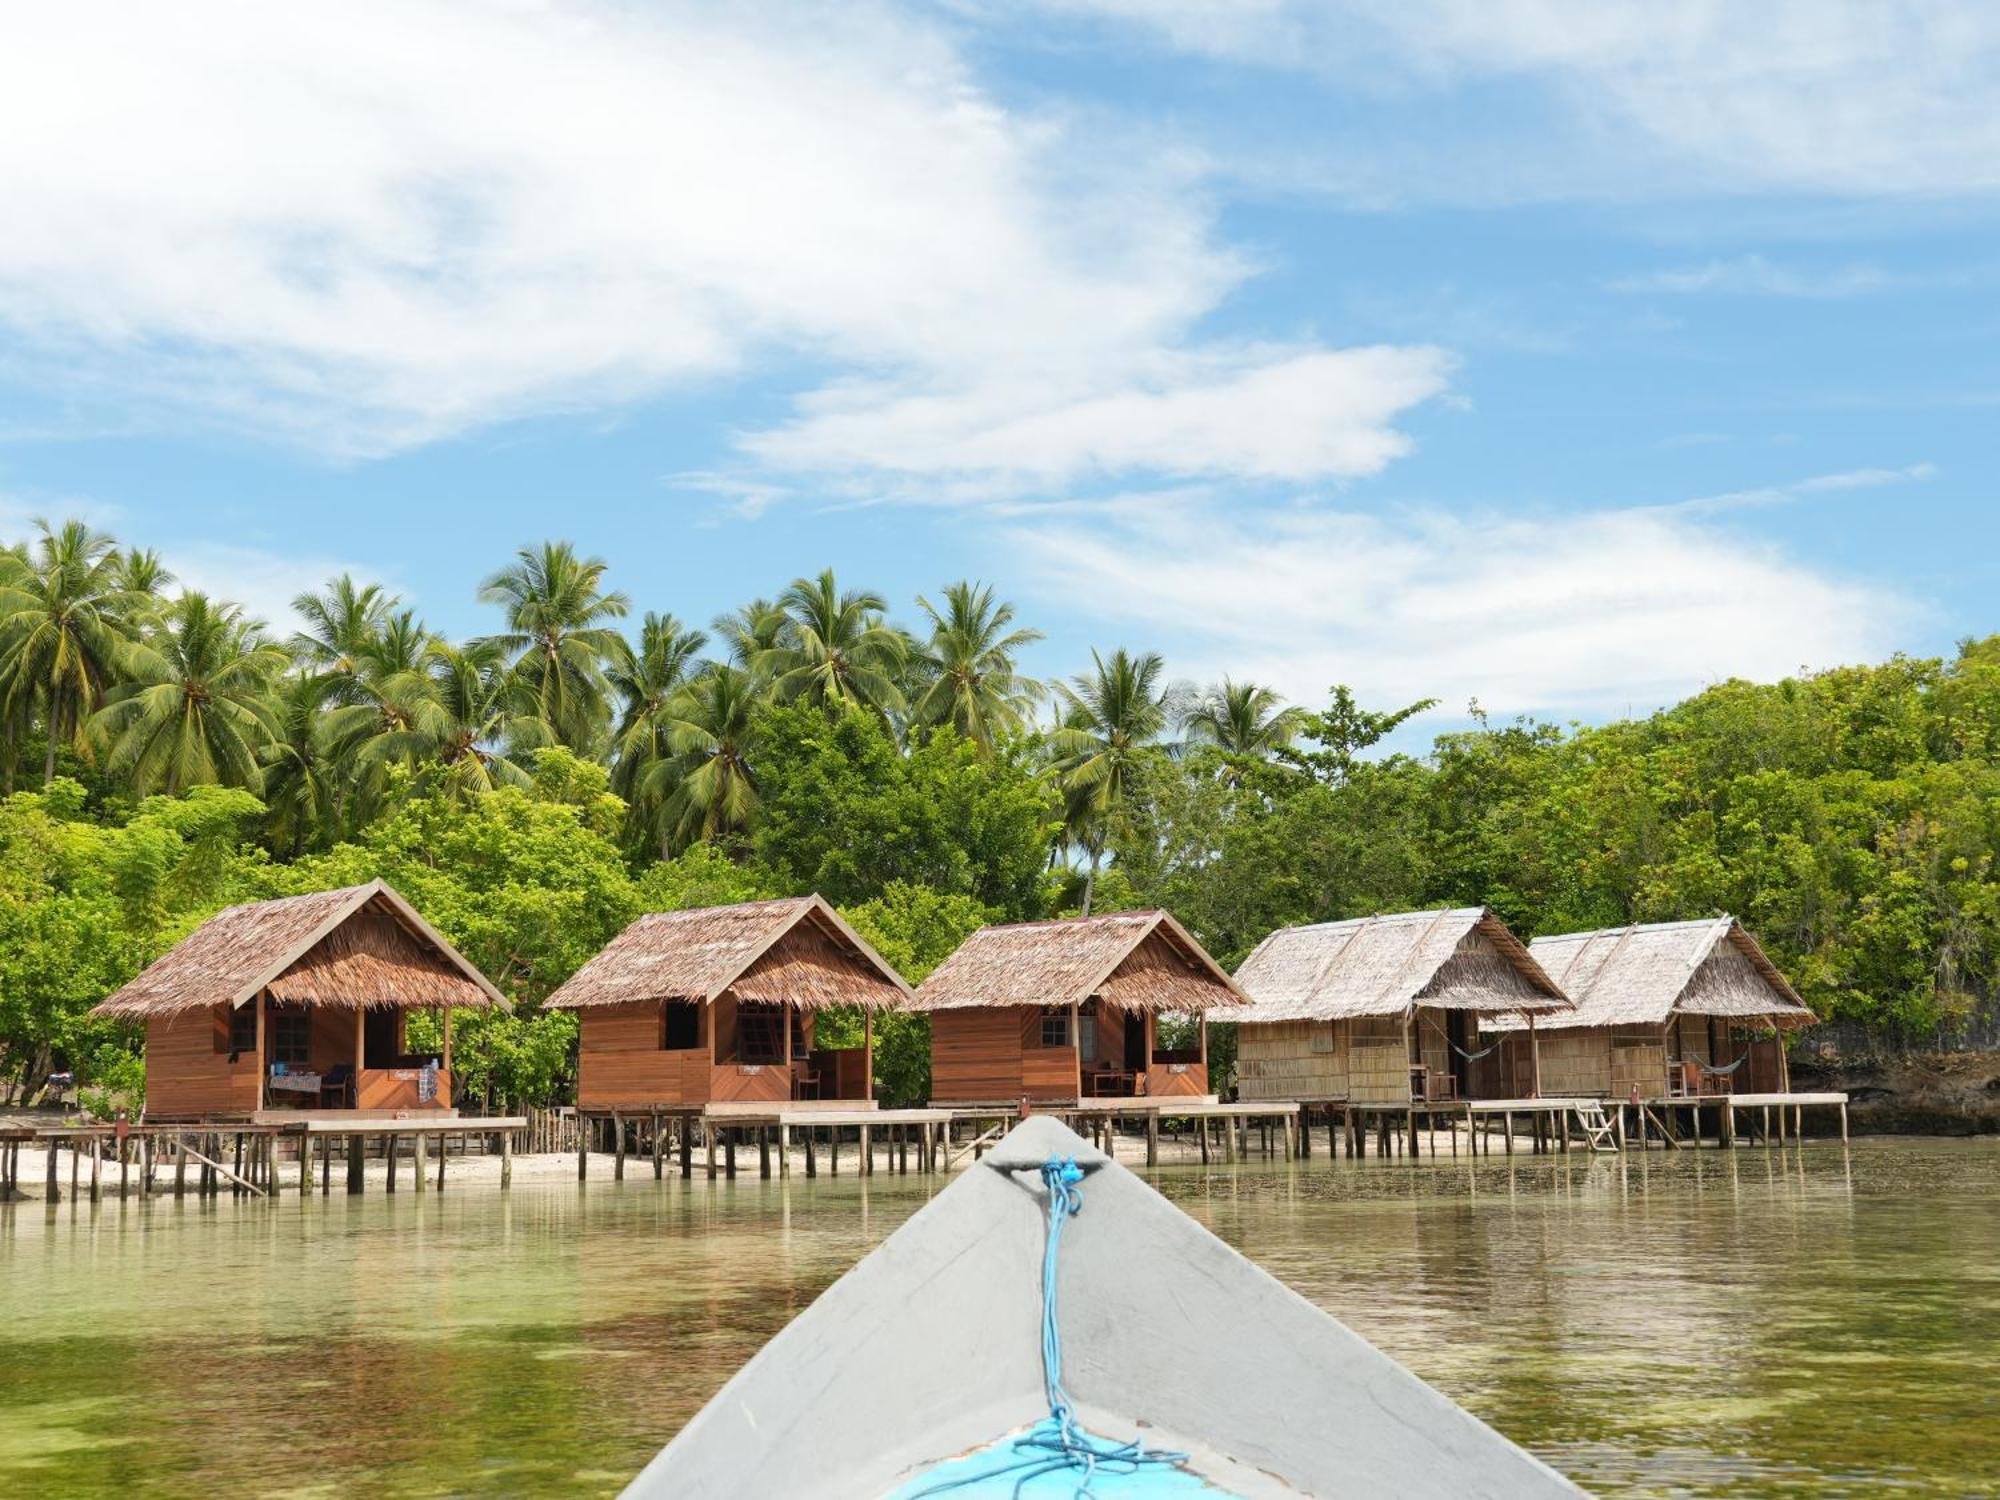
<point x="1050" y="1325"/>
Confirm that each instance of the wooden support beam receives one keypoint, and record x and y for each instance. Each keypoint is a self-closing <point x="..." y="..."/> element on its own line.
<point x="764" y="1151"/>
<point x="506" y="1157"/>
<point x="617" y="1147"/>
<point x="729" y="1151"/>
<point x="659" y="1160"/>
<point x="687" y="1146"/>
<point x="1152" y="1137"/>
<point x="355" y="1178"/>
<point x="582" y="1147"/>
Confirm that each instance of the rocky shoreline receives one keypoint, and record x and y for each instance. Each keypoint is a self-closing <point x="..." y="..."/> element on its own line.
<point x="1951" y="1093"/>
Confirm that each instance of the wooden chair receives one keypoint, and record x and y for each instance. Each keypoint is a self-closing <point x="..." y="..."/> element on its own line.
<point x="337" y="1082"/>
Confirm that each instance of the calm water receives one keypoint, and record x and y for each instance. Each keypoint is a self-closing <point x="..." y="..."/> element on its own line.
<point x="1744" y="1323"/>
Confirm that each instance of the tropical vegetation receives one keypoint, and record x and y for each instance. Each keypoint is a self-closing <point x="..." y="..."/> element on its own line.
<point x="163" y="754"/>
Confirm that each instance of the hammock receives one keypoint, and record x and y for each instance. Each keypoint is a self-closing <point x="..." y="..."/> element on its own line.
<point x="1486" y="1051"/>
<point x="1721" y="1072"/>
<point x="1074" y="1462"/>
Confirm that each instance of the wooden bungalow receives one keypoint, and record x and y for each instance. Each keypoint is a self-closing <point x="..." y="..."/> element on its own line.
<point x="1386" y="1010"/>
<point x="1058" y="1012"/>
<point x="301" y="1004"/>
<point x="717" y="1006"/>
<point x="1669" y="1010"/>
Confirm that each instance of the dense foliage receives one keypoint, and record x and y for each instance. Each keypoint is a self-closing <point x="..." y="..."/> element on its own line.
<point x="533" y="790"/>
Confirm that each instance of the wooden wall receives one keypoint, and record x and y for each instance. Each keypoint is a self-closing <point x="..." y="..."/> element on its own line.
<point x="186" y="1075"/>
<point x="621" y="1065"/>
<point x="1174" y="1080"/>
<point x="733" y="1083"/>
<point x="975" y="1055"/>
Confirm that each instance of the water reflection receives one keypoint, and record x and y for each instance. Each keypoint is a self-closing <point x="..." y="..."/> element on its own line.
<point x="1752" y="1322"/>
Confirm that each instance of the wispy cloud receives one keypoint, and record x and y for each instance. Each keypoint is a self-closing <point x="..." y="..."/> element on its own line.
<point x="1754" y="276"/>
<point x="1638" y="96"/>
<point x="1762" y="496"/>
<point x="1608" y="612"/>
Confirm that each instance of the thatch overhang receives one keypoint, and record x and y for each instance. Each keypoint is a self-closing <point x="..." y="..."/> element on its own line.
<point x="361" y="947"/>
<point x="1645" y="975"/>
<point x="797" y="951"/>
<point x="1131" y="961"/>
<point x="1460" y="958"/>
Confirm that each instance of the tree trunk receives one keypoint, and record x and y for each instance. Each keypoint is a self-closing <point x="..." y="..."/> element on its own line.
<point x="1090" y="880"/>
<point x="49" y="754"/>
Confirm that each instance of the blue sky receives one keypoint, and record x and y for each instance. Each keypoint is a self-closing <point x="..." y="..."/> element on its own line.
<point x="1567" y="357"/>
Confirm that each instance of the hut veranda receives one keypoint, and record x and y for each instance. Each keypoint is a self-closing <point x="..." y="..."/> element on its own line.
<point x="274" y="1010"/>
<point x="719" y="1005"/>
<point x="1064" y="1011"/>
<point x="1386" y="1011"/>
<point x="1663" y="1011"/>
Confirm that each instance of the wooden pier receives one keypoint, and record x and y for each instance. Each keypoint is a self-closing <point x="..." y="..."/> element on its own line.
<point x="242" y="1158"/>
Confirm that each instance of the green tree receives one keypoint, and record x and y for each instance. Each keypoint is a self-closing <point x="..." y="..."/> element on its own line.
<point x="1243" y="718"/>
<point x="648" y="680"/>
<point x="344" y="622"/>
<point x="848" y="814"/>
<point x="966" y="675"/>
<point x="709" y="788"/>
<point x="1112" y="721"/>
<point x="556" y="611"/>
<point x="835" y="650"/>
<point x="62" y="627"/>
<point x="193" y="706"/>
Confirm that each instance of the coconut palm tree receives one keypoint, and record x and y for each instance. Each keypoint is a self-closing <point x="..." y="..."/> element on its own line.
<point x="835" y="649"/>
<point x="751" y="633"/>
<point x="1113" y="717"/>
<point x="473" y="743"/>
<point x="1243" y="718"/>
<point x="966" y="670"/>
<point x="556" y="610"/>
<point x="301" y="772"/>
<point x="142" y="575"/>
<point x="647" y="681"/>
<point x="193" y="705"/>
<point x="342" y="622"/>
<point x="63" y="623"/>
<point x="708" y="787"/>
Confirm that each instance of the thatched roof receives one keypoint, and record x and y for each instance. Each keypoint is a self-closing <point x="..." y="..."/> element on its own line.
<point x="798" y="951"/>
<point x="360" y="947"/>
<point x="1136" y="961"/>
<point x="1462" y="958"/>
<point x="1644" y="975"/>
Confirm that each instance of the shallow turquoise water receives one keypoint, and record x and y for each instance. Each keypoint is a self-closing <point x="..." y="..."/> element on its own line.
<point x="1815" y="1322"/>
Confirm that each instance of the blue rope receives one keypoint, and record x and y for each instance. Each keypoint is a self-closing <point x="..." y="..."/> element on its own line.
<point x="1056" y="1444"/>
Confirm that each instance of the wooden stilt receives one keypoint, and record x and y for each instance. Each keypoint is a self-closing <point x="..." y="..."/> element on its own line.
<point x="729" y="1152"/>
<point x="784" y="1150"/>
<point x="867" y="1164"/>
<point x="708" y="1148"/>
<point x="617" y="1147"/>
<point x="355" y="1179"/>
<point x="506" y="1157"/>
<point x="96" y="1165"/>
<point x="659" y="1160"/>
<point x="1152" y="1138"/>
<point x="764" y="1151"/>
<point x="582" y="1147"/>
<point x="812" y="1162"/>
<point x="444" y="1150"/>
<point x="687" y="1146"/>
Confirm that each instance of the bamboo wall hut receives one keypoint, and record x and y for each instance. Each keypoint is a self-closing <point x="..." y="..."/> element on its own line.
<point x="1666" y="1010"/>
<point x="720" y="1005"/>
<point x="277" y="1007"/>
<point x="1057" y="1012"/>
<point x="1386" y="1010"/>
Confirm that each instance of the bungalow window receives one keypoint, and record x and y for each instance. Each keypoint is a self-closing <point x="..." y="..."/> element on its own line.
<point x="760" y="1035"/>
<point x="680" y="1027"/>
<point x="291" y="1039"/>
<point x="243" y="1029"/>
<point x="1055" y="1026"/>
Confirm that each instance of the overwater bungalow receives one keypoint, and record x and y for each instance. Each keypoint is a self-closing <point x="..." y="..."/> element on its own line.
<point x="1059" y="1012"/>
<point x="685" y="1010"/>
<point x="1386" y="1011"/>
<point x="1665" y="1010"/>
<point x="275" y="1010"/>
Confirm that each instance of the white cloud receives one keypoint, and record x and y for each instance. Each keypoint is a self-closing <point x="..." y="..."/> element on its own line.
<point x="1590" y="615"/>
<point x="1870" y="96"/>
<point x="1255" y="414"/>
<point x="1800" y="489"/>
<point x="1755" y="276"/>
<point x="372" y="225"/>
